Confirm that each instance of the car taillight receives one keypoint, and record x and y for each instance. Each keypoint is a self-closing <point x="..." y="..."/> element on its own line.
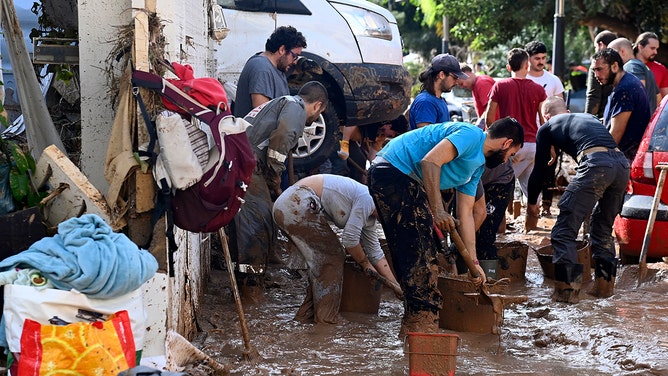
<point x="642" y="168"/>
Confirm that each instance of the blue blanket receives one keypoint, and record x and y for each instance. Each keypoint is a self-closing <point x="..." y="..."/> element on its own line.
<point x="86" y="255"/>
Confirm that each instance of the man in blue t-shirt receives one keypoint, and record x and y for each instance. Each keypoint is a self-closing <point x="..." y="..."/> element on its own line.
<point x="440" y="77"/>
<point x="406" y="180"/>
<point x="627" y="112"/>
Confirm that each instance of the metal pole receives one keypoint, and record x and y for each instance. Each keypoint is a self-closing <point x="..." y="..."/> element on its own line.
<point x="445" y="46"/>
<point x="558" y="44"/>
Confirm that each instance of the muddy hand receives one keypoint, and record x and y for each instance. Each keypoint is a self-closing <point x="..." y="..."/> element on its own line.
<point x="531" y="219"/>
<point x="371" y="273"/>
<point x="480" y="279"/>
<point x="445" y="222"/>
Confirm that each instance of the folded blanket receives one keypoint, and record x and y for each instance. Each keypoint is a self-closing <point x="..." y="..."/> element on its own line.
<point x="86" y="255"/>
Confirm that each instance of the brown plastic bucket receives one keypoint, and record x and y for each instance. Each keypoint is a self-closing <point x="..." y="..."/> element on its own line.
<point x="584" y="257"/>
<point x="360" y="294"/>
<point x="432" y="354"/>
<point x="512" y="260"/>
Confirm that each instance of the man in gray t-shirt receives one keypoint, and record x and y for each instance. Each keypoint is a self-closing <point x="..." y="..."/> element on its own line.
<point x="263" y="77"/>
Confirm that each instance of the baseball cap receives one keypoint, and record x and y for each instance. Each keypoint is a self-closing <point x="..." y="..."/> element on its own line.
<point x="448" y="64"/>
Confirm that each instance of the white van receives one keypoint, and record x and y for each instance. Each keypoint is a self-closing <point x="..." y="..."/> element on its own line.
<point x="355" y="43"/>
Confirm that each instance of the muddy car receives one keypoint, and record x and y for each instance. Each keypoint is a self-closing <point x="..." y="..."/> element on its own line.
<point x="354" y="49"/>
<point x="630" y="225"/>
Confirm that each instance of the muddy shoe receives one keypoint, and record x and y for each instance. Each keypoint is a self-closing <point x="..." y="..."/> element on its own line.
<point x="605" y="273"/>
<point x="567" y="283"/>
<point x="251" y="287"/>
<point x="546" y="206"/>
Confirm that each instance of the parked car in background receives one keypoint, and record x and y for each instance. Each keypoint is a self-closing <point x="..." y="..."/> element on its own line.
<point x="630" y="225"/>
<point x="355" y="46"/>
<point x="461" y="105"/>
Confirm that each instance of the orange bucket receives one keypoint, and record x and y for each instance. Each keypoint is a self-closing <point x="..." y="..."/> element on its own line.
<point x="432" y="354"/>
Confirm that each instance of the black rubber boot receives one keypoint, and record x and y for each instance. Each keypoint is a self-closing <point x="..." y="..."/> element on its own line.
<point x="605" y="272"/>
<point x="567" y="283"/>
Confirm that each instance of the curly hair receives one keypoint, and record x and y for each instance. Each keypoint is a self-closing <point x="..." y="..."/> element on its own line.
<point x="286" y="36"/>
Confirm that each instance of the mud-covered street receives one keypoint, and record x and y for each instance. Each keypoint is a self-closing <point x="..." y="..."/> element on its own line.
<point x="626" y="334"/>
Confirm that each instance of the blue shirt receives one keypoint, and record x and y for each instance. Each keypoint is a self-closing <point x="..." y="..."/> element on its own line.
<point x="427" y="108"/>
<point x="406" y="151"/>
<point x="629" y="95"/>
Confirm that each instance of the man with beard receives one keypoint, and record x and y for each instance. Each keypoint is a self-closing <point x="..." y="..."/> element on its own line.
<point x="645" y="49"/>
<point x="599" y="184"/>
<point x="276" y="128"/>
<point x="406" y="179"/>
<point x="627" y="112"/>
<point x="439" y="77"/>
<point x="263" y="77"/>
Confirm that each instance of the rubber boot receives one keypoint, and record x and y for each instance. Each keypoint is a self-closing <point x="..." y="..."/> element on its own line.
<point x="605" y="272"/>
<point x="418" y="322"/>
<point x="490" y="268"/>
<point x="567" y="283"/>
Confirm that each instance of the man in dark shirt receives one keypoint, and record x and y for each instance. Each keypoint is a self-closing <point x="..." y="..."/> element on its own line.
<point x="600" y="182"/>
<point x="627" y="112"/>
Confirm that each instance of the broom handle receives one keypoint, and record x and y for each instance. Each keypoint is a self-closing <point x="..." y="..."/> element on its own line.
<point x="235" y="289"/>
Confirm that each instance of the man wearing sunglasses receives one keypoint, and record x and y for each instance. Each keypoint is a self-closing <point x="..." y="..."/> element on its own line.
<point x="264" y="76"/>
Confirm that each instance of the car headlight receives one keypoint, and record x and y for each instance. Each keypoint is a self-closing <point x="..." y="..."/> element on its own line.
<point x="364" y="22"/>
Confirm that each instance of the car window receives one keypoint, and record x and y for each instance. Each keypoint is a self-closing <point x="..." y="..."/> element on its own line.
<point x="283" y="6"/>
<point x="659" y="140"/>
<point x="461" y="92"/>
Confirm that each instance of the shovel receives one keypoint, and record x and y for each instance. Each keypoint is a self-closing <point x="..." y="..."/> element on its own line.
<point x="642" y="262"/>
<point x="250" y="353"/>
<point x="496" y="300"/>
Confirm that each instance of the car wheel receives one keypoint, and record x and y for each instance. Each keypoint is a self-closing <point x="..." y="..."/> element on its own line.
<point x="317" y="142"/>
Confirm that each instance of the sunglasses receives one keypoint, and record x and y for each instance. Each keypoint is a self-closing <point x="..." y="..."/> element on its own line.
<point x="294" y="55"/>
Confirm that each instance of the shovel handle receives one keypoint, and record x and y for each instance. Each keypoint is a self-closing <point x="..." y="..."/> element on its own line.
<point x="459" y="243"/>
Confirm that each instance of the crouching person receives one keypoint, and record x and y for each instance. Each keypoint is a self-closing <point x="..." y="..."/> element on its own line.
<point x="303" y="213"/>
<point x="602" y="175"/>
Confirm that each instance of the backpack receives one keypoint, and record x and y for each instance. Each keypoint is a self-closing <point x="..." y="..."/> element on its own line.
<point x="210" y="203"/>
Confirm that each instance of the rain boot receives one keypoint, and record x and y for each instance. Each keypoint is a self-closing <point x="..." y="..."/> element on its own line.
<point x="605" y="271"/>
<point x="567" y="283"/>
<point x="490" y="268"/>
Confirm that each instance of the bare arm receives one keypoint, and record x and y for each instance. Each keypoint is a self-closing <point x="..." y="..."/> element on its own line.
<point x="431" y="164"/>
<point x="491" y="112"/>
<point x="258" y="99"/>
<point x="465" y="205"/>
<point x="420" y="125"/>
<point x="618" y="125"/>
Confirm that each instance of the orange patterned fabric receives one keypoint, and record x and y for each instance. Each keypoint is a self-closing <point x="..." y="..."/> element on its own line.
<point x="102" y="348"/>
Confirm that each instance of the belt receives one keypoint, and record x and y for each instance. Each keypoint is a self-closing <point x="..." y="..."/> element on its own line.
<point x="592" y="150"/>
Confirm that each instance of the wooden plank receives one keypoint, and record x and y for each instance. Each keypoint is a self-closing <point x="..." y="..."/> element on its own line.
<point x="79" y="198"/>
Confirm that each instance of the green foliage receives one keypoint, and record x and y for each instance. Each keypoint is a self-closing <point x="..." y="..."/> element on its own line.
<point x="22" y="166"/>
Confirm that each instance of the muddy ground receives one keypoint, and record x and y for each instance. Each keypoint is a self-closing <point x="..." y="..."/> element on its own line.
<point x="626" y="334"/>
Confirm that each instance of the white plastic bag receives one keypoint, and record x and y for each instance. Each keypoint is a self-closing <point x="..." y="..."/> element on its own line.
<point x="40" y="305"/>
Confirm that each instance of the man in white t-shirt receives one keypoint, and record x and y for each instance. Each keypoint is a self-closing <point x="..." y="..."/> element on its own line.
<point x="553" y="87"/>
<point x="537" y="73"/>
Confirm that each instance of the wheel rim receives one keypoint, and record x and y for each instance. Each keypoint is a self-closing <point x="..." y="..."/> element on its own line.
<point x="312" y="138"/>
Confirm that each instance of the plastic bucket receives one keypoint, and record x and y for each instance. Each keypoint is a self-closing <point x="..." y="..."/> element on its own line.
<point x="360" y="294"/>
<point x="432" y="354"/>
<point x="544" y="255"/>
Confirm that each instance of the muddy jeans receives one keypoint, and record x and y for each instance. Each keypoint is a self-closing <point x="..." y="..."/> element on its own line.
<point x="300" y="216"/>
<point x="403" y="211"/>
<point x="599" y="184"/>
<point x="497" y="197"/>
<point x="254" y="232"/>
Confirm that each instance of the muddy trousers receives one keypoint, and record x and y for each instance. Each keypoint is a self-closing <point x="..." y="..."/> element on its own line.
<point x="300" y="216"/>
<point x="497" y="197"/>
<point x="403" y="211"/>
<point x="599" y="184"/>
<point x="253" y="233"/>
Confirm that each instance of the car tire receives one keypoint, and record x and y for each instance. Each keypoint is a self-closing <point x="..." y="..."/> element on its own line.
<point x="318" y="141"/>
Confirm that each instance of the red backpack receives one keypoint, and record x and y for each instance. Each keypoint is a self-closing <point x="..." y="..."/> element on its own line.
<point x="211" y="203"/>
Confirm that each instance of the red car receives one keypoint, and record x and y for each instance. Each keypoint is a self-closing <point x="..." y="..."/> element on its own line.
<point x="630" y="225"/>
